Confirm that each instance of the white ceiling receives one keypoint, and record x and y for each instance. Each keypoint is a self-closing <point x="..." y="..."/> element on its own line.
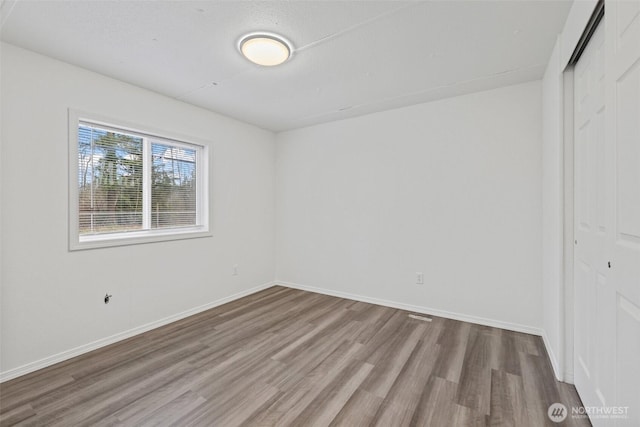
<point x="350" y="58"/>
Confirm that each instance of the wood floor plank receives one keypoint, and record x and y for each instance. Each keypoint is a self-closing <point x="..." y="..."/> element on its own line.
<point x="388" y="368"/>
<point x="316" y="353"/>
<point x="334" y="396"/>
<point x="467" y="417"/>
<point x="508" y="402"/>
<point x="359" y="411"/>
<point x="373" y="319"/>
<point x="509" y="361"/>
<point x="305" y="392"/>
<point x="171" y="411"/>
<point x="138" y="410"/>
<point x="569" y="397"/>
<point x="437" y="403"/>
<point x="236" y="408"/>
<point x="286" y="357"/>
<point x="19" y="392"/>
<point x="16" y="415"/>
<point x="327" y="323"/>
<point x="453" y="340"/>
<point x="404" y="397"/>
<point x="474" y="390"/>
<point x="541" y="389"/>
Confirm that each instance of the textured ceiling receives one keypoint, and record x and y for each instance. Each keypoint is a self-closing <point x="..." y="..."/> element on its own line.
<point x="350" y="57"/>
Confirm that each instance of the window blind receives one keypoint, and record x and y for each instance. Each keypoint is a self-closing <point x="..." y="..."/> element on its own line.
<point x="110" y="179"/>
<point x="130" y="182"/>
<point x="173" y="191"/>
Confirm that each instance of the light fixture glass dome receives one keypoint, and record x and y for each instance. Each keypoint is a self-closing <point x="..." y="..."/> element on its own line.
<point x="265" y="49"/>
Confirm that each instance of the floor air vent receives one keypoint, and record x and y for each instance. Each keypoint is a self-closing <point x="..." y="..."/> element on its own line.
<point x="423" y="318"/>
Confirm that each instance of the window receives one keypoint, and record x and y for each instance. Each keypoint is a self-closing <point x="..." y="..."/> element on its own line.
<point x="130" y="186"/>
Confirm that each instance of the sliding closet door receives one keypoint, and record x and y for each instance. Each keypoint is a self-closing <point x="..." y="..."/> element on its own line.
<point x="594" y="293"/>
<point x="622" y="134"/>
<point x="607" y="217"/>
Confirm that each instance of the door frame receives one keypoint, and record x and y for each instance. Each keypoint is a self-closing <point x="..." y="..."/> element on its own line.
<point x="567" y="330"/>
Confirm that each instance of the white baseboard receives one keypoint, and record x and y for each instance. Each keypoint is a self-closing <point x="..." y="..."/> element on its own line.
<point x="552" y="357"/>
<point x="68" y="354"/>
<point x="419" y="309"/>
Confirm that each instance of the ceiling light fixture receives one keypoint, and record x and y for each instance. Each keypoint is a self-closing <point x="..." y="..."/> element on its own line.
<point x="265" y="49"/>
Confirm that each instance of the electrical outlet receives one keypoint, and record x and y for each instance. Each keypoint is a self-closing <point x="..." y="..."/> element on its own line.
<point x="235" y="270"/>
<point x="419" y="278"/>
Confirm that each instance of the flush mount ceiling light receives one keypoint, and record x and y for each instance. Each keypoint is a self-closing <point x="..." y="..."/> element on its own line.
<point x="265" y="49"/>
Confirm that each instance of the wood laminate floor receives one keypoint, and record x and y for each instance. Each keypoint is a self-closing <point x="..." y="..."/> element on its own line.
<point x="285" y="357"/>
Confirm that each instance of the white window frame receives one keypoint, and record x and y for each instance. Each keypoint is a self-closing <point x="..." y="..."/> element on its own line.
<point x="147" y="235"/>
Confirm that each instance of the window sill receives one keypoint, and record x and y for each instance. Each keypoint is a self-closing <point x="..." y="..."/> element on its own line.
<point x="137" y="237"/>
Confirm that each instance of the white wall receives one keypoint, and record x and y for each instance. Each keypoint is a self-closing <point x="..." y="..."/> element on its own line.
<point x="52" y="298"/>
<point x="449" y="188"/>
<point x="552" y="210"/>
